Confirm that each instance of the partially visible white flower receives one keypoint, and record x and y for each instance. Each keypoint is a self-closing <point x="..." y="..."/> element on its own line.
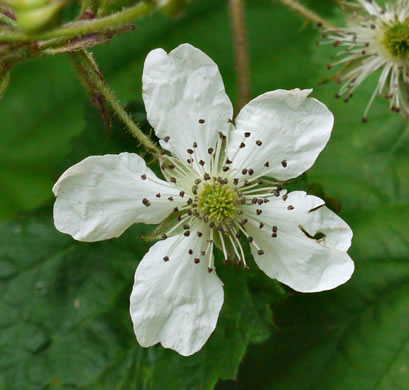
<point x="376" y="40"/>
<point x="219" y="184"/>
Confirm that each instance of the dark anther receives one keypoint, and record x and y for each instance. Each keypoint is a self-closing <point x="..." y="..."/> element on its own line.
<point x="246" y="183"/>
<point x="290" y="207"/>
<point x="146" y="202"/>
<point x="143" y="177"/>
<point x="220" y="228"/>
<point x="266" y="200"/>
<point x="206" y="176"/>
<point x="171" y="166"/>
<point x="164" y="236"/>
<point x="251" y="171"/>
<point x="182" y="193"/>
<point x="190" y="151"/>
<point x="189" y="160"/>
<point x="275" y="228"/>
<point x="202" y="253"/>
<point x="258" y="211"/>
<point x="194" y="190"/>
<point x="201" y="162"/>
<point x="284" y="163"/>
<point x="254" y="201"/>
<point x="274" y="235"/>
<point x="211" y="225"/>
<point x="259" y="143"/>
<point x="237" y="235"/>
<point x="176" y="209"/>
<point x="276" y="193"/>
<point x="166" y="258"/>
<point x="228" y="161"/>
<point x="173" y="179"/>
<point x="186" y="233"/>
<point x="244" y="171"/>
<point x="157" y="195"/>
<point x="209" y="270"/>
<point x="195" y="144"/>
<point x="250" y="239"/>
<point x="197" y="260"/>
<point x="179" y="218"/>
<point x="235" y="181"/>
<point x="166" y="139"/>
<point x="244" y="221"/>
<point x="201" y="121"/>
<point x="190" y="252"/>
<point x="189" y="212"/>
<point x="199" y="234"/>
<point x="260" y="252"/>
<point x="210" y="150"/>
<point x="190" y="201"/>
<point x="198" y="181"/>
<point x="225" y="169"/>
<point x="260" y="201"/>
<point x="285" y="197"/>
<point x="261" y="225"/>
<point x="242" y="145"/>
<point x="170" y="198"/>
<point x="186" y="226"/>
<point x="247" y="134"/>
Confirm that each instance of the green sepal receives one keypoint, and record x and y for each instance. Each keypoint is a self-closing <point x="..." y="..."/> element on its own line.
<point x="168" y="223"/>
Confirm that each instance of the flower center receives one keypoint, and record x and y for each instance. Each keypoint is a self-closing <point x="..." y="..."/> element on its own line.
<point x="218" y="201"/>
<point x="396" y="40"/>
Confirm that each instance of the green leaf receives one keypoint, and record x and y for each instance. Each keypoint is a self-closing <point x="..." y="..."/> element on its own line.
<point x="65" y="317"/>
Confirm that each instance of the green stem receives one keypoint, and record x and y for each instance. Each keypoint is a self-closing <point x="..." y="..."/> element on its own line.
<point x="85" y="60"/>
<point x="81" y="27"/>
<point x="307" y="14"/>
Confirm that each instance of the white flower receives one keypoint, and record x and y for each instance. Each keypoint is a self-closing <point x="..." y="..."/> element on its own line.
<point x="377" y="39"/>
<point x="215" y="187"/>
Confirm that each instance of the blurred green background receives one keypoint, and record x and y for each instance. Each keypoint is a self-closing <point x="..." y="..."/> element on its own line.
<point x="64" y="305"/>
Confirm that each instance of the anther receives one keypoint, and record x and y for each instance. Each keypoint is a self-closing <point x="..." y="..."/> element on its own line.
<point x="190" y="201"/>
<point x="261" y="201"/>
<point x="247" y="134"/>
<point x="220" y="228"/>
<point x="211" y="225"/>
<point x="260" y="252"/>
<point x="202" y="163"/>
<point x="275" y="228"/>
<point x="186" y="226"/>
<point x="179" y="217"/>
<point x="290" y="207"/>
<point x="210" y="150"/>
<point x="176" y="209"/>
<point x="235" y="181"/>
<point x="146" y="202"/>
<point x="198" y="181"/>
<point x="251" y="171"/>
<point x="173" y="179"/>
<point x="186" y="233"/>
<point x="182" y="193"/>
<point x="195" y="144"/>
<point x="261" y="225"/>
<point x="242" y="145"/>
<point x="209" y="270"/>
<point x="158" y="195"/>
<point x="143" y="177"/>
<point x="244" y="171"/>
<point x="190" y="252"/>
<point x="254" y="201"/>
<point x="274" y="235"/>
<point x="250" y="239"/>
<point x="197" y="260"/>
<point x="190" y="151"/>
<point x="206" y="176"/>
<point x="259" y="143"/>
<point x="201" y="121"/>
<point x="244" y="221"/>
<point x="164" y="236"/>
<point x="258" y="211"/>
<point x="170" y="198"/>
<point x="285" y="197"/>
<point x="225" y="169"/>
<point x="166" y="139"/>
<point x="267" y="164"/>
<point x="284" y="163"/>
<point x="202" y="253"/>
<point x="238" y="235"/>
<point x="166" y="258"/>
<point x="199" y="234"/>
<point x="228" y="161"/>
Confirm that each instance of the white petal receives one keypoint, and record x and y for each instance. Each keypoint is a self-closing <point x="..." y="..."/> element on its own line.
<point x="180" y="90"/>
<point x="100" y="197"/>
<point x="292" y="128"/>
<point x="294" y="257"/>
<point x="177" y="302"/>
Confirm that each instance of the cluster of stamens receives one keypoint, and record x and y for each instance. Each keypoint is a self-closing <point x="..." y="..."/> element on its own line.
<point x="379" y="41"/>
<point x="218" y="203"/>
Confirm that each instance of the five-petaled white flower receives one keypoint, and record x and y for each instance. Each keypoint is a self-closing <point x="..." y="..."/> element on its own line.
<point x="218" y="184"/>
<point x="377" y="39"/>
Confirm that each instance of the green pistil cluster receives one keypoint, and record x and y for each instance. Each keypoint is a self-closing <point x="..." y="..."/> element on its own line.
<point x="218" y="202"/>
<point x="396" y="40"/>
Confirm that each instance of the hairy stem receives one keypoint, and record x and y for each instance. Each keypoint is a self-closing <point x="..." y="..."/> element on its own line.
<point x="95" y="80"/>
<point x="307" y="14"/>
<point x="83" y="27"/>
<point x="241" y="49"/>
